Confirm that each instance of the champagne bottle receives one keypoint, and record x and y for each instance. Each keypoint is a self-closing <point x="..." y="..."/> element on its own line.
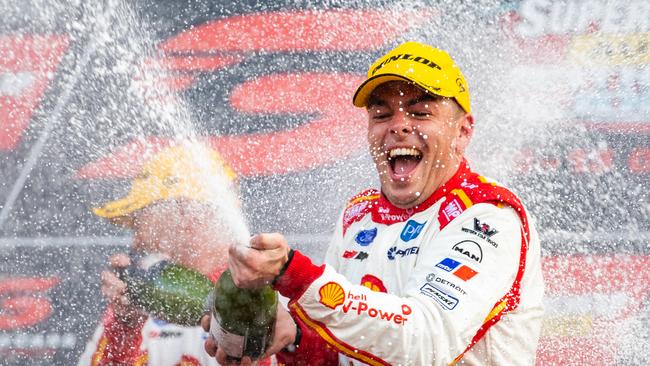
<point x="166" y="290"/>
<point x="243" y="320"/>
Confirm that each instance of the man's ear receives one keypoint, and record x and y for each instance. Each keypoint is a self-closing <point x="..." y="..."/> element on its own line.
<point x="465" y="132"/>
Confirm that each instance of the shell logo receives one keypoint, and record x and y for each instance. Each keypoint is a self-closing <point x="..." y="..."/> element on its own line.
<point x="331" y="295"/>
<point x="373" y="283"/>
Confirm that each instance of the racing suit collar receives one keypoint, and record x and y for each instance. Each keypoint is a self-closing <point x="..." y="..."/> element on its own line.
<point x="386" y="213"/>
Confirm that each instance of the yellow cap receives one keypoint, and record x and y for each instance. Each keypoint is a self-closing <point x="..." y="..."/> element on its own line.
<point x="428" y="67"/>
<point x="179" y="171"/>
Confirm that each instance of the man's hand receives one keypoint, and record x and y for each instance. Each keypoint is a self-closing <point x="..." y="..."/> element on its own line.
<point x="284" y="335"/>
<point x="114" y="290"/>
<point x="257" y="265"/>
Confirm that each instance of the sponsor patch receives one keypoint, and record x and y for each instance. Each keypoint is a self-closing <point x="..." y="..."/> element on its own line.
<point x="389" y="218"/>
<point x="432" y="279"/>
<point x="411" y="230"/>
<point x="353" y="254"/>
<point x="452" y="210"/>
<point x="331" y="295"/>
<point x="483" y="231"/>
<point x="159" y="322"/>
<point x="458" y="269"/>
<point x="359" y="305"/>
<point x="448" y="264"/>
<point x="465" y="273"/>
<point x="484" y="228"/>
<point x="453" y="207"/>
<point x="395" y="253"/>
<point x="365" y="237"/>
<point x="361" y="256"/>
<point x="446" y="300"/>
<point x="189" y="361"/>
<point x="169" y="334"/>
<point x="373" y="283"/>
<point x="469" y="185"/>
<point x="354" y="210"/>
<point x="469" y="249"/>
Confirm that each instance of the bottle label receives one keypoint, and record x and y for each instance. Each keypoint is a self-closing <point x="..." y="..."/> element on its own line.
<point x="232" y="344"/>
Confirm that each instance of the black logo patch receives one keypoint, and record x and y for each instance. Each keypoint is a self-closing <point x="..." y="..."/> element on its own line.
<point x="484" y="228"/>
<point x="483" y="231"/>
<point x="469" y="249"/>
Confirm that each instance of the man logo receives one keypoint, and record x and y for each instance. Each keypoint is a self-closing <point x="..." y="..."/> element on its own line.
<point x="469" y="249"/>
<point x="411" y="230"/>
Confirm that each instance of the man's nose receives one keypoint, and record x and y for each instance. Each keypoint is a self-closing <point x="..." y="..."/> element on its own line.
<point x="401" y="124"/>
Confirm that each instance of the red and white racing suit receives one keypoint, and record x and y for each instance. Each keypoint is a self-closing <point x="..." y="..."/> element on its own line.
<point x="457" y="276"/>
<point x="151" y="342"/>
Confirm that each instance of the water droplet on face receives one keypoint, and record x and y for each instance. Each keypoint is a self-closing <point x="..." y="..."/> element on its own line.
<point x="417" y="194"/>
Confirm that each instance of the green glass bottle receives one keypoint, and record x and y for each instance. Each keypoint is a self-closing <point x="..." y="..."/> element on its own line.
<point x="166" y="290"/>
<point x="243" y="320"/>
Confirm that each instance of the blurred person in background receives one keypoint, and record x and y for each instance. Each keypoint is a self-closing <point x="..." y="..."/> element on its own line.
<point x="441" y="266"/>
<point x="168" y="210"/>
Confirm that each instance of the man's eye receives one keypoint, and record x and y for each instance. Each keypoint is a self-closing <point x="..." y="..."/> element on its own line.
<point x="380" y="116"/>
<point x="421" y="114"/>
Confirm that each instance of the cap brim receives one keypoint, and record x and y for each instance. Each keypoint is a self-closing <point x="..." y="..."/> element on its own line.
<point x="119" y="211"/>
<point x="362" y="94"/>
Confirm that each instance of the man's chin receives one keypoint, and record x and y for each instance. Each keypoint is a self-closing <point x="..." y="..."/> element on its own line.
<point x="403" y="198"/>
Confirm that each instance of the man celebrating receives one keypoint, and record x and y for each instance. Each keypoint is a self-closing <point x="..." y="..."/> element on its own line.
<point x="169" y="208"/>
<point x="440" y="265"/>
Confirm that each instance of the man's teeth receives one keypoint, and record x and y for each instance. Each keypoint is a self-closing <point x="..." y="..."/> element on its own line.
<point x="403" y="151"/>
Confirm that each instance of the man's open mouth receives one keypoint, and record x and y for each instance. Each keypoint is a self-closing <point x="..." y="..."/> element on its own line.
<point x="403" y="161"/>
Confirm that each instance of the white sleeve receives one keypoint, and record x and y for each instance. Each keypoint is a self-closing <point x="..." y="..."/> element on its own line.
<point x="91" y="347"/>
<point x="457" y="280"/>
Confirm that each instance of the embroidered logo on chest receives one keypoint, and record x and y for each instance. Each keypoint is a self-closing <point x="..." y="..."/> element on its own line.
<point x="411" y="230"/>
